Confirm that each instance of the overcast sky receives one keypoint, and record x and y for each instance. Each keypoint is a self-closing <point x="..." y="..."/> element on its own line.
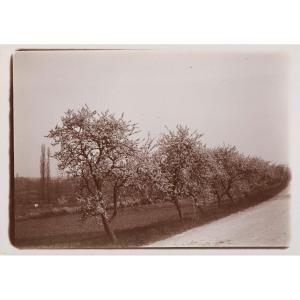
<point x="235" y="97"/>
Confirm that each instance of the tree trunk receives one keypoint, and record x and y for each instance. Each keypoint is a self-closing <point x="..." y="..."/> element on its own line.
<point x="200" y="210"/>
<point x="115" y="196"/>
<point x="176" y="202"/>
<point x="230" y="196"/>
<point x="145" y="198"/>
<point x="219" y="200"/>
<point x="228" y="193"/>
<point x="108" y="229"/>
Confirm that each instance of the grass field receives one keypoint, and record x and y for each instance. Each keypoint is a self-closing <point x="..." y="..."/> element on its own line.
<point x="134" y="226"/>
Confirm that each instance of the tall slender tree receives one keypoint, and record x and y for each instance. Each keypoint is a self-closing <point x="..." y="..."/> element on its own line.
<point x="48" y="176"/>
<point x="43" y="173"/>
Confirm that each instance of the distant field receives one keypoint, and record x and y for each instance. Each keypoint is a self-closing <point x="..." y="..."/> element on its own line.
<point x="134" y="226"/>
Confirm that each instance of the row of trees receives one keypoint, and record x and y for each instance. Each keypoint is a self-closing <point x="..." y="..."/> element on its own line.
<point x="99" y="149"/>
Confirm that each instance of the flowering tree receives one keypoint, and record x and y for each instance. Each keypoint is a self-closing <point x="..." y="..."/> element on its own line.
<point x="263" y="174"/>
<point x="143" y="179"/>
<point x="201" y="171"/>
<point x="124" y="168"/>
<point x="92" y="148"/>
<point x="232" y="168"/>
<point x="176" y="151"/>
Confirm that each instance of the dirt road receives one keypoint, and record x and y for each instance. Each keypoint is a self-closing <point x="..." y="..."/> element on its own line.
<point x="264" y="225"/>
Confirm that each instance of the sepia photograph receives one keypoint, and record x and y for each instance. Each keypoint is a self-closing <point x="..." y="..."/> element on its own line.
<point x="151" y="148"/>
